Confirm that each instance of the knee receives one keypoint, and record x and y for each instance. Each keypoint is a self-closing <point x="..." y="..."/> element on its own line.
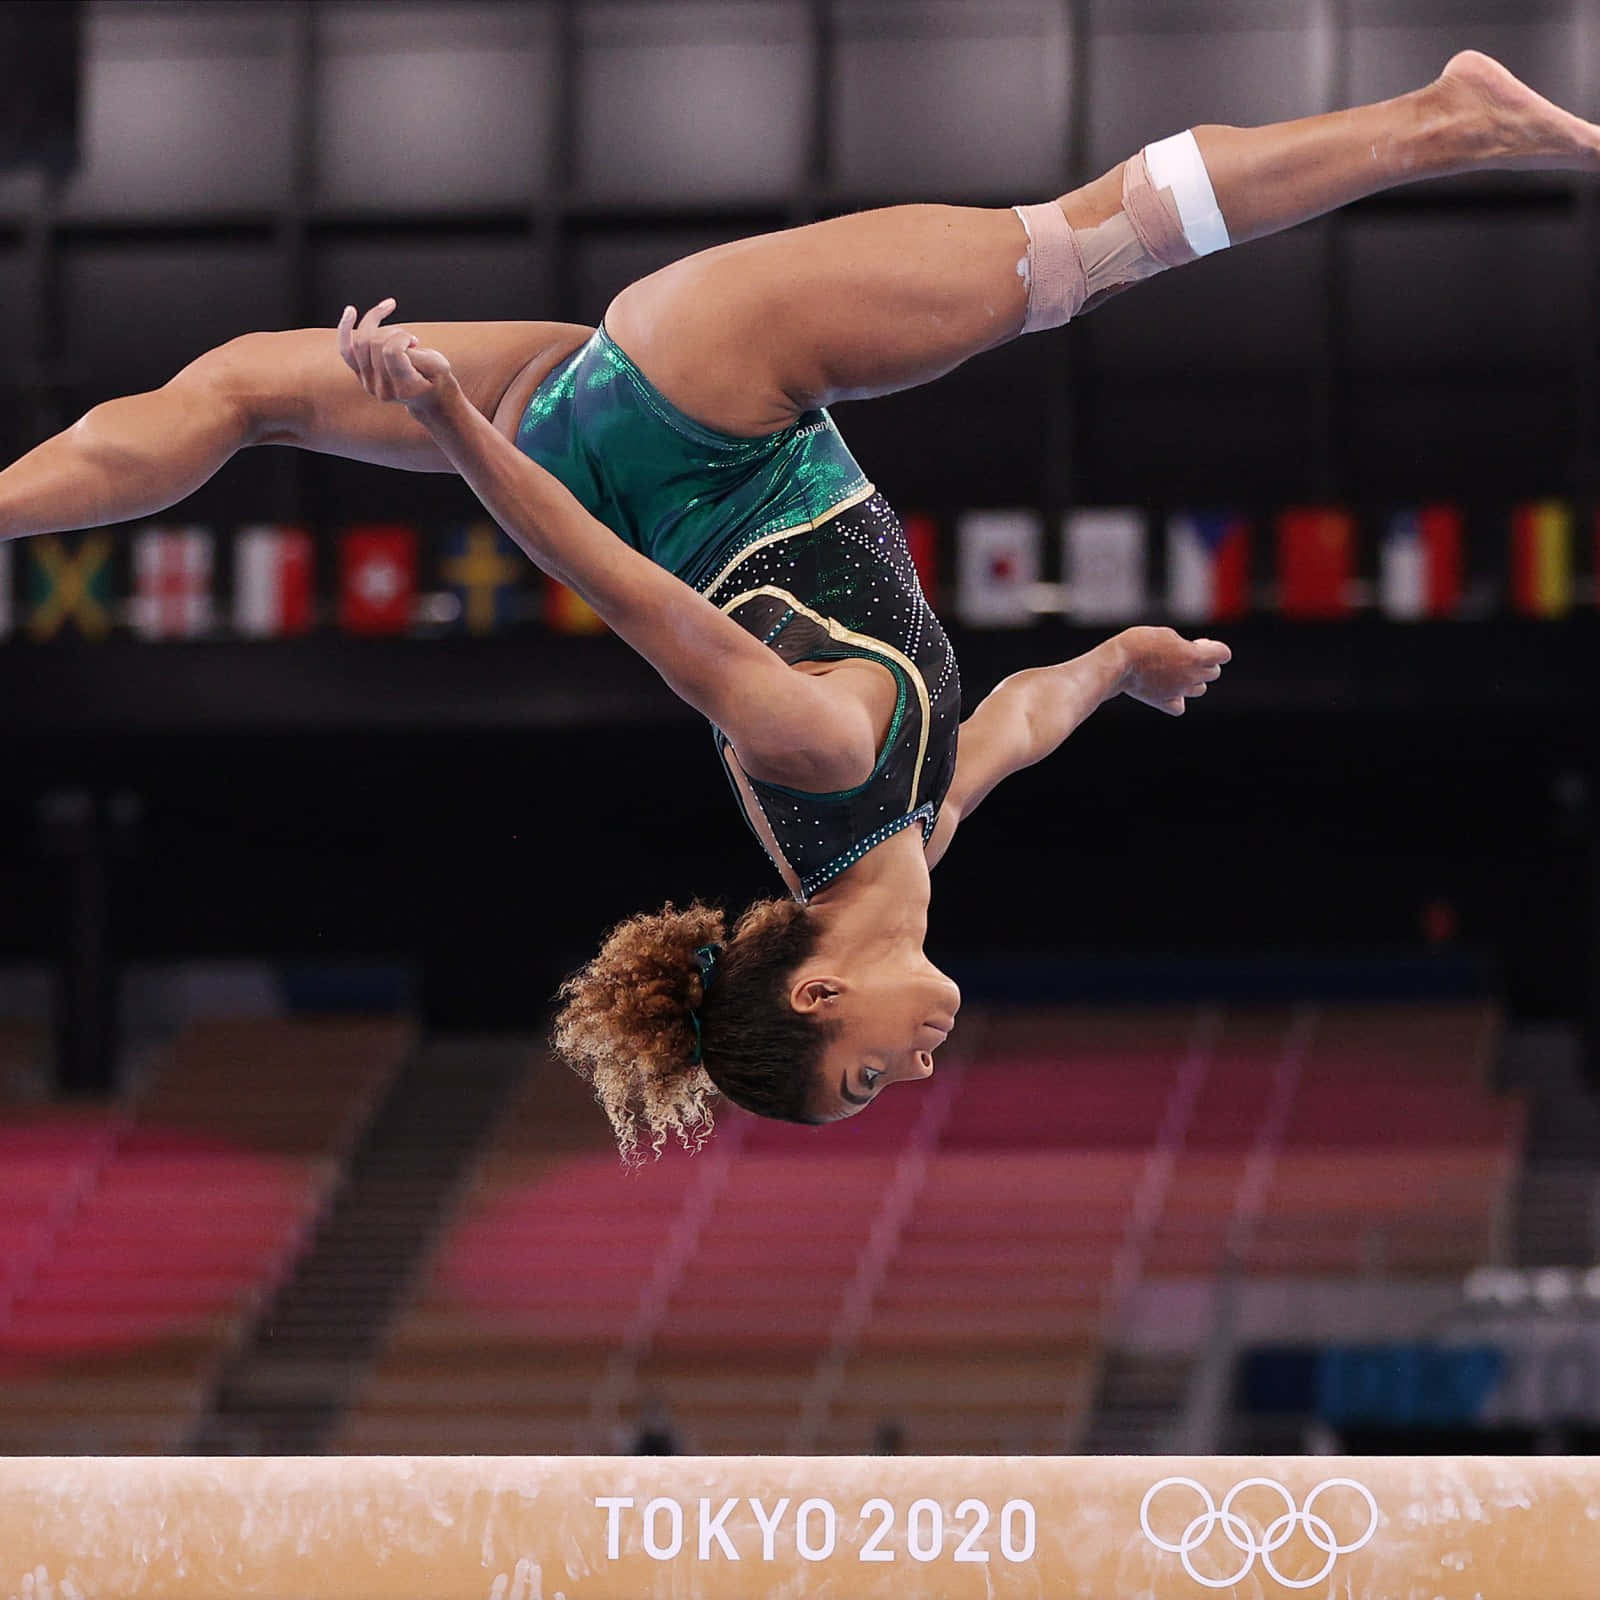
<point x="246" y="380"/>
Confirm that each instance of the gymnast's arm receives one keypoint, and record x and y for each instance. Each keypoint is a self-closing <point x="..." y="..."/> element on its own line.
<point x="786" y="726"/>
<point x="1030" y="714"/>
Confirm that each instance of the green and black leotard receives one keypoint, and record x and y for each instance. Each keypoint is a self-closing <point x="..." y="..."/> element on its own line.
<point x="787" y="536"/>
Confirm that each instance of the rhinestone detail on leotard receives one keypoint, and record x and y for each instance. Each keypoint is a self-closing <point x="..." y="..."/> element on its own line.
<point x="848" y="588"/>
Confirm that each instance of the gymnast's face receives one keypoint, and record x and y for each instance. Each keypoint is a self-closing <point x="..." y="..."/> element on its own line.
<point x="891" y="1015"/>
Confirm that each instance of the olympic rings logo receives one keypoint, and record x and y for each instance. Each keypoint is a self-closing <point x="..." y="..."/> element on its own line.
<point x="1242" y="1536"/>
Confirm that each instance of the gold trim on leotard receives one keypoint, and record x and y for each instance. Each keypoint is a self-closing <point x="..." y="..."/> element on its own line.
<point x="809" y="526"/>
<point x="865" y="641"/>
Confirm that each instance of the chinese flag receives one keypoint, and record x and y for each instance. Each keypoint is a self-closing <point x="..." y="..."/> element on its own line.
<point x="378" y="578"/>
<point x="1316" y="555"/>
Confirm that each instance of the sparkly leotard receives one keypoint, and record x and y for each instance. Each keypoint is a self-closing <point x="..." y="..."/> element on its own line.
<point x="787" y="536"/>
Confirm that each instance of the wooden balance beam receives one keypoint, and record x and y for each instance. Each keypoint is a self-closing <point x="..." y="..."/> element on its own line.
<point x="854" y="1528"/>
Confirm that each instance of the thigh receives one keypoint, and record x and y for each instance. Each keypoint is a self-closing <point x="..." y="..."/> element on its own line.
<point x="297" y="389"/>
<point x="745" y="336"/>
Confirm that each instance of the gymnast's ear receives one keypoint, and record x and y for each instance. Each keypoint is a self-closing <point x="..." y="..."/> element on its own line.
<point x="815" y="993"/>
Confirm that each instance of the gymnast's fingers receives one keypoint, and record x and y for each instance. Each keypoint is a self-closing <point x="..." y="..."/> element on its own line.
<point x="347" y="322"/>
<point x="366" y="331"/>
<point x="395" y="354"/>
<point x="376" y="314"/>
<point x="1194" y="691"/>
<point x="432" y="364"/>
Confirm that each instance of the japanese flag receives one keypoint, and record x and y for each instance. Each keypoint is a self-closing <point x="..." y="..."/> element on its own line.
<point x="997" y="563"/>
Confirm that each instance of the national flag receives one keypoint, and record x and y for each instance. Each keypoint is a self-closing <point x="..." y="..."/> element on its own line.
<point x="567" y="611"/>
<point x="922" y="540"/>
<point x="274" y="581"/>
<point x="1103" y="560"/>
<point x="1419" y="564"/>
<point x="480" y="571"/>
<point x="69" y="580"/>
<point x="378" y="578"/>
<point x="172" y="582"/>
<point x="997" y="564"/>
<point x="1316" y="560"/>
<point x="1208" y="566"/>
<point x="1541" y="558"/>
<point x="6" y="612"/>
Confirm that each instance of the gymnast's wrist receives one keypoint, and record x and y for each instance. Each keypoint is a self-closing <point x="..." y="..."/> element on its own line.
<point x="1116" y="661"/>
<point x="440" y="403"/>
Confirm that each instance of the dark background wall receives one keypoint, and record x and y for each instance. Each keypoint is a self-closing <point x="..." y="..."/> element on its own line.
<point x="486" y="807"/>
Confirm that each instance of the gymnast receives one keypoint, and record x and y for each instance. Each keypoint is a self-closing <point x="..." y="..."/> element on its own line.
<point x="677" y="468"/>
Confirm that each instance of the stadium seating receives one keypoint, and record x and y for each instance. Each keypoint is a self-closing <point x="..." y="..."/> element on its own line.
<point x="748" y="1301"/>
<point x="138" y="1239"/>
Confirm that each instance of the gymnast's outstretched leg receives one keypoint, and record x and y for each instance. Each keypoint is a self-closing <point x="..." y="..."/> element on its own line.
<point x="745" y="336"/>
<point x="135" y="455"/>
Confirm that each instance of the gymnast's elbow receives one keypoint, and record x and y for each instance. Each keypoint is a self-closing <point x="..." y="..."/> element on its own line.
<point x="804" y="746"/>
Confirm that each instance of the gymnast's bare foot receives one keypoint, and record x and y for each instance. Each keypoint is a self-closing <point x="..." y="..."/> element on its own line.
<point x="1517" y="128"/>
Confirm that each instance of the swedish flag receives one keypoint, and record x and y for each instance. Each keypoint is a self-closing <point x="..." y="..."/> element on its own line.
<point x="69" y="581"/>
<point x="479" y="570"/>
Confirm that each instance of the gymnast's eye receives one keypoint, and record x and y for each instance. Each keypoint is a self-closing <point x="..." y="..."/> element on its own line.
<point x="869" y="1078"/>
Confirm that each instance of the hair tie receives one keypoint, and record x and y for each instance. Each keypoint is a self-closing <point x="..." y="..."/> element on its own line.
<point x="705" y="961"/>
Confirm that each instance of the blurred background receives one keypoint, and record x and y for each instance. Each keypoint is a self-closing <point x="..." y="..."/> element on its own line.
<point x="1270" y="1122"/>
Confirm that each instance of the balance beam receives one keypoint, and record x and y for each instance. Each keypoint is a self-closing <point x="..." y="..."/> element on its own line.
<point x="855" y="1528"/>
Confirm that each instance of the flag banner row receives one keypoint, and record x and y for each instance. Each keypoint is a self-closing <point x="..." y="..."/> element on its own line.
<point x="1308" y="563"/>
<point x="1100" y="567"/>
<point x="383" y="579"/>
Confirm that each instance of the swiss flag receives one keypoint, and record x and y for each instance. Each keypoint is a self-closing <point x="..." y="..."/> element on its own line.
<point x="273" y="581"/>
<point x="378" y="578"/>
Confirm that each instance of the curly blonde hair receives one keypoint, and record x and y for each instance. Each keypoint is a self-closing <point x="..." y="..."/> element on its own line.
<point x="624" y="1022"/>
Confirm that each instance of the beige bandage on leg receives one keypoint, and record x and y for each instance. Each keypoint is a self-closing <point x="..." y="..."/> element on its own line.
<point x="1169" y="216"/>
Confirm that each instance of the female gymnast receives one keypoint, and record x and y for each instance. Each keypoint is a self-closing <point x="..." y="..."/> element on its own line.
<point x="676" y="468"/>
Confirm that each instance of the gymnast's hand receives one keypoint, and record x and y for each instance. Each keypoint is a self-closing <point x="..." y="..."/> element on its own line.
<point x="1165" y="670"/>
<point x="390" y="362"/>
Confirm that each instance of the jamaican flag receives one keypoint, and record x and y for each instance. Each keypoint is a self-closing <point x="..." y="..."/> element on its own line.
<point x="69" y="583"/>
